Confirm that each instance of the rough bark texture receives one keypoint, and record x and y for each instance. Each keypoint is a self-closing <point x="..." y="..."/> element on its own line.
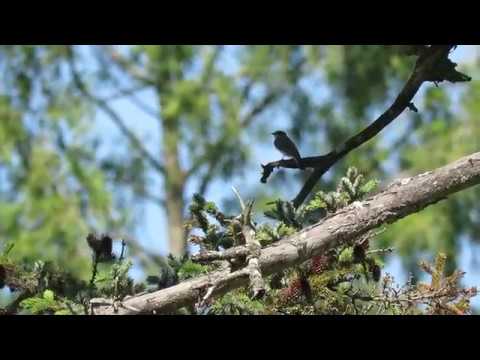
<point x="257" y="283"/>
<point x="398" y="200"/>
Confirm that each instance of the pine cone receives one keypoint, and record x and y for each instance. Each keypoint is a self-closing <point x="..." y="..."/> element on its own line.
<point x="292" y="293"/>
<point x="320" y="264"/>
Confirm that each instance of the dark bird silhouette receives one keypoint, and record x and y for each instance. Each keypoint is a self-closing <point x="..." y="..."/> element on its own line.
<point x="101" y="246"/>
<point x="287" y="147"/>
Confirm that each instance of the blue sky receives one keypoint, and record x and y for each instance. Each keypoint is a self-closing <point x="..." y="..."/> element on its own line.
<point x="152" y="231"/>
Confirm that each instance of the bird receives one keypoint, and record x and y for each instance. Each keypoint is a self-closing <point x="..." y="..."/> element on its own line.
<point x="287" y="147"/>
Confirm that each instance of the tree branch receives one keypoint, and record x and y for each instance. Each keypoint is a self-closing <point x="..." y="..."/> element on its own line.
<point x="273" y="94"/>
<point x="132" y="97"/>
<point x="398" y="200"/>
<point x="135" y="72"/>
<point x="432" y="65"/>
<point x="258" y="108"/>
<point x="271" y="97"/>
<point x="257" y="283"/>
<point x="307" y="162"/>
<point x="232" y="253"/>
<point x="121" y="92"/>
<point x="134" y="141"/>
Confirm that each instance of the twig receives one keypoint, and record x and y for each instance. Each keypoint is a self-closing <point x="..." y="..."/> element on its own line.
<point x="380" y="251"/>
<point x="124" y="92"/>
<point x="240" y="200"/>
<point x="124" y="245"/>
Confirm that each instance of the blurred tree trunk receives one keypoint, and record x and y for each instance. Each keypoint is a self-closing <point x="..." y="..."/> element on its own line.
<point x="174" y="186"/>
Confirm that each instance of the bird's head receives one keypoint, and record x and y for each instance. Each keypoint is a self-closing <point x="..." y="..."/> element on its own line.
<point x="279" y="133"/>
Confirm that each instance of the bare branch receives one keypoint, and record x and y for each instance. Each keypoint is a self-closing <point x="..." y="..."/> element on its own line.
<point x="432" y="65"/>
<point x="313" y="162"/>
<point x="398" y="200"/>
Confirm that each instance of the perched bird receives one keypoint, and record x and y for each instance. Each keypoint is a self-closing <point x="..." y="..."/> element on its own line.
<point x="287" y="147"/>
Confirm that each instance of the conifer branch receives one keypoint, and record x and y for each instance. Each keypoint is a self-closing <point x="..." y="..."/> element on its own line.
<point x="398" y="200"/>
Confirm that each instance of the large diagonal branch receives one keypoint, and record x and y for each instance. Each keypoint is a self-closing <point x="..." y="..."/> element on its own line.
<point x="432" y="65"/>
<point x="104" y="106"/>
<point x="398" y="200"/>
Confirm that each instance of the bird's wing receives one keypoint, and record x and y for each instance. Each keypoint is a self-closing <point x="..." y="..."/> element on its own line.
<point x="292" y="149"/>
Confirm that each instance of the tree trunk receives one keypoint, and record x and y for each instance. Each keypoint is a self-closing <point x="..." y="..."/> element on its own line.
<point x="174" y="186"/>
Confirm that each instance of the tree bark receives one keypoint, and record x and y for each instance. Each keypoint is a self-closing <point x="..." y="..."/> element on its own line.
<point x="174" y="181"/>
<point x="398" y="200"/>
